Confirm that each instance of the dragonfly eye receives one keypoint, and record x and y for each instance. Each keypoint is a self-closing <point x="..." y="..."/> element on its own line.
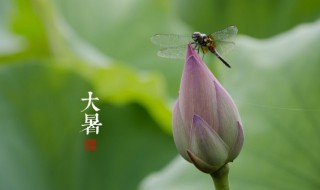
<point x="195" y="36"/>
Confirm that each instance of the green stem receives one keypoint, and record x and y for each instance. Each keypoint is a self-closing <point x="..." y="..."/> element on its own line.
<point x="220" y="178"/>
<point x="58" y="43"/>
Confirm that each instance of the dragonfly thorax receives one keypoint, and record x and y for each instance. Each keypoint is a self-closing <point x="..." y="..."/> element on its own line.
<point x="201" y="39"/>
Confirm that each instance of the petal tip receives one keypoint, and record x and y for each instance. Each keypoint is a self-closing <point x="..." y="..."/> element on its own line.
<point x="196" y="119"/>
<point x="190" y="50"/>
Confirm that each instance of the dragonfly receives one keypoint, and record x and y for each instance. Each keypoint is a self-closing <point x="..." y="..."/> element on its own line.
<point x="174" y="45"/>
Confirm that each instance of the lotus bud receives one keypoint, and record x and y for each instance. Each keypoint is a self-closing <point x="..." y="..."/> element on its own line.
<point x="207" y="128"/>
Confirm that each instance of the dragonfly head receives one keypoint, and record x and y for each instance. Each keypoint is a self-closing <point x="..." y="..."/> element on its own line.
<point x="196" y="36"/>
<point x="200" y="38"/>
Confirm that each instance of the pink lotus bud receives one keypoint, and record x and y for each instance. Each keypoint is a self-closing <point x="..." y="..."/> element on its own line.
<point x="207" y="129"/>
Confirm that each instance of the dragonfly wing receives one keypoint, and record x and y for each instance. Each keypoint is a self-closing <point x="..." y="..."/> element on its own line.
<point x="178" y="52"/>
<point x="224" y="46"/>
<point x="228" y="34"/>
<point x="224" y="39"/>
<point x="170" y="40"/>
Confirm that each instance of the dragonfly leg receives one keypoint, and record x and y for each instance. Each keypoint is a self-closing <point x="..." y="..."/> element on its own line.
<point x="196" y="48"/>
<point x="202" y="52"/>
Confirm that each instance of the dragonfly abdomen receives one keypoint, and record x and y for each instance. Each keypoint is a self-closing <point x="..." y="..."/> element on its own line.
<point x="213" y="50"/>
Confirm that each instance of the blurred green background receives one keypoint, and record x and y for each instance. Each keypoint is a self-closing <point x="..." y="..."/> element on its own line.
<point x="53" y="52"/>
